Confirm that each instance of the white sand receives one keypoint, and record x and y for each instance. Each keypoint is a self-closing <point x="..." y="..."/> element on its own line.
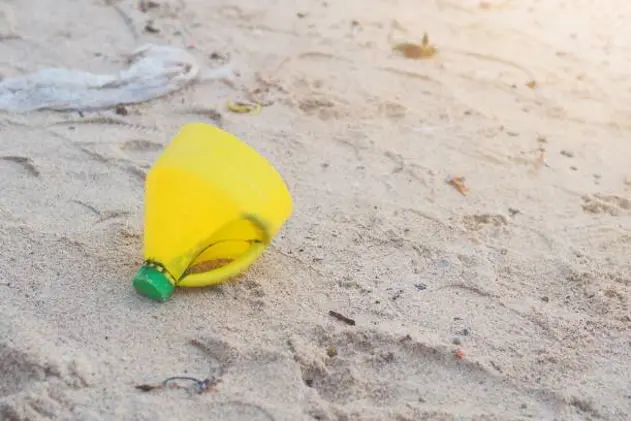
<point x="538" y="297"/>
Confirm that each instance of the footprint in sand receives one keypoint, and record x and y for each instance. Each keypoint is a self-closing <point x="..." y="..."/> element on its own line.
<point x="138" y="152"/>
<point x="370" y="367"/>
<point x="137" y="147"/>
<point x="477" y="222"/>
<point x="24" y="162"/>
<point x="612" y="205"/>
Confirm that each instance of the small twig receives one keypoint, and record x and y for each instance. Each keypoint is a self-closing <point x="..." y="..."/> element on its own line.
<point x="342" y="318"/>
<point x="87" y="206"/>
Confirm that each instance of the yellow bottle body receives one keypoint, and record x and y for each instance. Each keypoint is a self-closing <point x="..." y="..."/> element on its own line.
<point x="211" y="197"/>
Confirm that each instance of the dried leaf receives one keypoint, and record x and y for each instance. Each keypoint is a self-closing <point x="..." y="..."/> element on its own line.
<point x="458" y="184"/>
<point x="417" y="51"/>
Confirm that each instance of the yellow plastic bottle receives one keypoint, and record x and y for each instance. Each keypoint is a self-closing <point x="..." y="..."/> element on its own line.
<point x="212" y="205"/>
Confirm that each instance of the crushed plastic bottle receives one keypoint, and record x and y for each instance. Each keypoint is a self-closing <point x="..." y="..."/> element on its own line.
<point x="212" y="206"/>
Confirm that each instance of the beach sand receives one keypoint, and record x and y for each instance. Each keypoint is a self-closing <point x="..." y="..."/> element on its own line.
<point x="507" y="302"/>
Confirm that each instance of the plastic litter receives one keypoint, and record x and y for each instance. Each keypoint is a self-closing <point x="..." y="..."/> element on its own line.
<point x="213" y="204"/>
<point x="153" y="71"/>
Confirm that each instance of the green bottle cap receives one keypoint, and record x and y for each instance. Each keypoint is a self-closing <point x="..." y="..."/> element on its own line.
<point x="150" y="282"/>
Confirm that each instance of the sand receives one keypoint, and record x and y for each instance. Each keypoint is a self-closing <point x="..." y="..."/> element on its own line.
<point x="508" y="302"/>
